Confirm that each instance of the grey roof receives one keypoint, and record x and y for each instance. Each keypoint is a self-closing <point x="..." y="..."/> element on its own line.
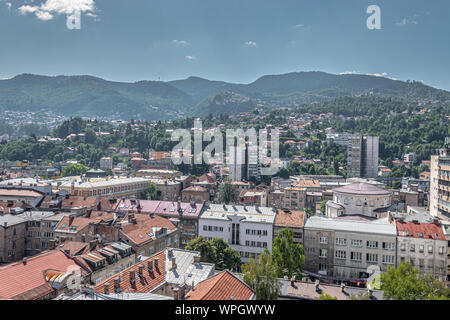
<point x="10" y="220"/>
<point x="379" y="226"/>
<point x="36" y="215"/>
<point x="362" y="188"/>
<point x="334" y="205"/>
<point x="250" y="213"/>
<point x="186" y="270"/>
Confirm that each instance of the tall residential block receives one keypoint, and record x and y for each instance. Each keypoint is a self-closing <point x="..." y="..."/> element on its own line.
<point x="440" y="183"/>
<point x="362" y="156"/>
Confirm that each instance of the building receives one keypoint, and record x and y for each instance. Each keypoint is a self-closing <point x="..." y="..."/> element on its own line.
<point x="294" y="198"/>
<point x="196" y="194"/>
<point x="148" y="234"/>
<point x="424" y="245"/>
<point x="359" y="199"/>
<point x="362" y="156"/>
<point x="275" y="199"/>
<point x="169" y="272"/>
<point x="170" y="189"/>
<point x="440" y="183"/>
<point x="248" y="230"/>
<point x="158" y="173"/>
<point x="221" y="286"/>
<point x="409" y="158"/>
<point x="41" y="277"/>
<point x="12" y="238"/>
<point x="342" y="249"/>
<point x="293" y="221"/>
<point x="106" y="163"/>
<point x="114" y="187"/>
<point x="257" y="197"/>
<point x="28" y="196"/>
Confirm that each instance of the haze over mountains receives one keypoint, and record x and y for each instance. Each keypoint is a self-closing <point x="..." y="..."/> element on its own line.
<point x="155" y="100"/>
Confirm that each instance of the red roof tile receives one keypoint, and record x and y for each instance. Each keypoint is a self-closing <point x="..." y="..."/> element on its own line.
<point x="27" y="281"/>
<point x="293" y="219"/>
<point x="222" y="286"/>
<point x="141" y="284"/>
<point x="427" y="230"/>
<point x="142" y="231"/>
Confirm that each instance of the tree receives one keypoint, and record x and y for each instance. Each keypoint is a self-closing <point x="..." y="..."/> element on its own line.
<point x="397" y="184"/>
<point x="405" y="283"/>
<point x="287" y="257"/>
<point x="74" y="170"/>
<point x="215" y="251"/>
<point x="326" y="296"/>
<point x="323" y="206"/>
<point x="260" y="275"/>
<point x="151" y="193"/>
<point x="227" y="193"/>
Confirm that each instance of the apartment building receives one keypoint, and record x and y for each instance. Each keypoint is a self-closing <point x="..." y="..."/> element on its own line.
<point x="440" y="183"/>
<point x="196" y="194"/>
<point x="343" y="249"/>
<point x="362" y="156"/>
<point x="12" y="238"/>
<point x="248" y="230"/>
<point x="257" y="197"/>
<point x="106" y="163"/>
<point x="424" y="245"/>
<point x="291" y="220"/>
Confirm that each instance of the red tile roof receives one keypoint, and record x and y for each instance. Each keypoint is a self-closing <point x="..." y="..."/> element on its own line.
<point x="145" y="206"/>
<point x="428" y="230"/>
<point x="21" y="281"/>
<point x="307" y="183"/>
<point x="222" y="286"/>
<point x="169" y="208"/>
<point x="142" y="231"/>
<point x="293" y="219"/>
<point x="142" y="284"/>
<point x="78" y="223"/>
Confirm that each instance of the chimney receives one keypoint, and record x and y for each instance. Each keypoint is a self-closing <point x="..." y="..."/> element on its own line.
<point x="24" y="261"/>
<point x="156" y="263"/>
<point x="343" y="287"/>
<point x="197" y="258"/>
<point x="170" y="252"/>
<point x="175" y="293"/>
<point x="179" y="205"/>
<point x="106" y="288"/>
<point x="71" y="219"/>
<point x="193" y="285"/>
<point x="174" y="264"/>
<point x="83" y="237"/>
<point x="5" y="224"/>
<point x="437" y="222"/>
<point x="317" y="285"/>
<point x="150" y="266"/>
<point x="52" y="244"/>
<point x="293" y="280"/>
<point x="141" y="270"/>
<point x="132" y="275"/>
<point x="117" y="284"/>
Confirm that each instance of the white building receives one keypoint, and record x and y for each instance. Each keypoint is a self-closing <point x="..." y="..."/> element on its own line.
<point x="106" y="163"/>
<point x="359" y="199"/>
<point x="246" y="229"/>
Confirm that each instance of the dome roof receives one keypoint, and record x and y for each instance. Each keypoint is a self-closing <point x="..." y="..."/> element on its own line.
<point x="362" y="189"/>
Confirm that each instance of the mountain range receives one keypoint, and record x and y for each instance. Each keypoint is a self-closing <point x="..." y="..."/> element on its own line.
<point x="156" y="100"/>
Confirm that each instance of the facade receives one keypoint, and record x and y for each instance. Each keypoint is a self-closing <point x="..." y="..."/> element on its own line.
<point x="362" y="156"/>
<point x="12" y="238"/>
<point x="253" y="198"/>
<point x="246" y="229"/>
<point x="343" y="249"/>
<point x="424" y="245"/>
<point x="359" y="199"/>
<point x="440" y="183"/>
<point x="106" y="163"/>
<point x="195" y="194"/>
<point x="293" y="221"/>
<point x="294" y="198"/>
<point x="38" y="231"/>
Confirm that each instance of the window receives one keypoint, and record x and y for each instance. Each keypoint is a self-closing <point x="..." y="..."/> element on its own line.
<point x="430" y="249"/>
<point x="372" y="244"/>
<point x="323" y="240"/>
<point x="356" y="256"/>
<point x="372" y="257"/>
<point x="389" y="245"/>
<point x="412" y="247"/>
<point x="341" y="241"/>
<point x="323" y="253"/>
<point x="402" y="247"/>
<point x="356" y="243"/>
<point x="341" y="254"/>
<point x="388" y="259"/>
<point x="441" y="250"/>
<point x="322" y="267"/>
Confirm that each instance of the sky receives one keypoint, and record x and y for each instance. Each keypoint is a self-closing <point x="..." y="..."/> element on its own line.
<point x="229" y="40"/>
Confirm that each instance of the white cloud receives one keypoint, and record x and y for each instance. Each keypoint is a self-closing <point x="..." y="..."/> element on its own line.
<point x="406" y="21"/>
<point x="384" y="74"/>
<point x="180" y="42"/>
<point x="48" y="8"/>
<point x="350" y="72"/>
<point x="8" y="4"/>
<point x="250" y="43"/>
<point x="191" y="58"/>
<point x="299" y="25"/>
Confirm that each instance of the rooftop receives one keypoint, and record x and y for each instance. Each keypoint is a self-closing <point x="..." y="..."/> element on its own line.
<point x="289" y="218"/>
<point x="250" y="213"/>
<point x="362" y="189"/>
<point x="222" y="286"/>
<point x="420" y="230"/>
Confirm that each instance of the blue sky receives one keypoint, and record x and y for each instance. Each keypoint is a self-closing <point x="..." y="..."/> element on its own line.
<point x="232" y="40"/>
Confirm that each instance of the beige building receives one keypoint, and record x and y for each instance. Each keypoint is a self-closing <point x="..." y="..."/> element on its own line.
<point x="440" y="183"/>
<point x="293" y="221"/>
<point x="12" y="238"/>
<point x="195" y="194"/>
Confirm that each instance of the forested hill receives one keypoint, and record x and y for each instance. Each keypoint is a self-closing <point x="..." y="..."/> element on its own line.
<point x="157" y="100"/>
